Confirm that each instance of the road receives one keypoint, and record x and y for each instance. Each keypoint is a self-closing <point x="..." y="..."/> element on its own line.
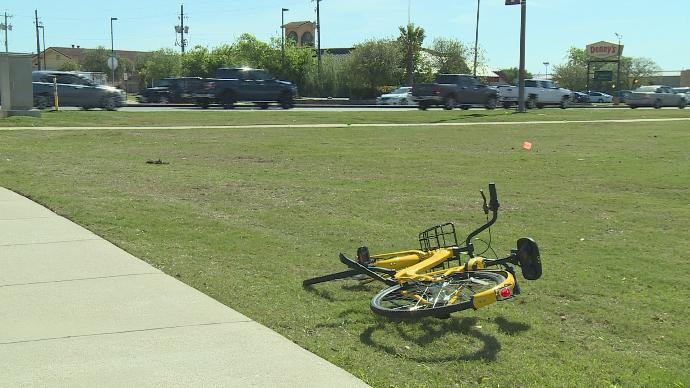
<point x="335" y="108"/>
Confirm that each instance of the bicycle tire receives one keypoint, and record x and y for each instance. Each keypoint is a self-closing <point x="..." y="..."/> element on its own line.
<point x="334" y="276"/>
<point x="404" y="301"/>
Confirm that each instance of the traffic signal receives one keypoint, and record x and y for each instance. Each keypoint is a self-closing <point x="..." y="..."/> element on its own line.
<point x="512" y="2"/>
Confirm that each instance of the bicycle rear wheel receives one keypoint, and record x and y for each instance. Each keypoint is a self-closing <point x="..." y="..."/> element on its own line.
<point x="434" y="299"/>
<point x="334" y="276"/>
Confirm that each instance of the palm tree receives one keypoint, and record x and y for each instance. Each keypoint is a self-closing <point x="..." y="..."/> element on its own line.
<point x="411" y="37"/>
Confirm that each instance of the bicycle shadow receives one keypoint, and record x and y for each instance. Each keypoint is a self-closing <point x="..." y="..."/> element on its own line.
<point x="325" y="293"/>
<point x="425" y="332"/>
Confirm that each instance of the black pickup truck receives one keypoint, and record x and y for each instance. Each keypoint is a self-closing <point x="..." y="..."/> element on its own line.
<point x="232" y="85"/>
<point x="454" y="90"/>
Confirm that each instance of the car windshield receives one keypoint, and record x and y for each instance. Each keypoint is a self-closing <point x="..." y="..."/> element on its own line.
<point x="530" y="84"/>
<point x="161" y="83"/>
<point x="648" y="89"/>
<point x="401" y="90"/>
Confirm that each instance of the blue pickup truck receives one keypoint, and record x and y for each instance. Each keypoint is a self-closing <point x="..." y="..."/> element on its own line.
<point x="232" y="85"/>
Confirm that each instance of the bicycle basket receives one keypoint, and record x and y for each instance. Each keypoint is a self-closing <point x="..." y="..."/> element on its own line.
<point x="439" y="236"/>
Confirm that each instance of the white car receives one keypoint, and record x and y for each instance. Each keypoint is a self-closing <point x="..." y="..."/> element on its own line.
<point x="538" y="93"/>
<point x="600" y="97"/>
<point x="399" y="96"/>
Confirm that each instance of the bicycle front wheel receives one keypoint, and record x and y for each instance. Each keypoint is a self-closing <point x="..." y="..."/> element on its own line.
<point x="437" y="298"/>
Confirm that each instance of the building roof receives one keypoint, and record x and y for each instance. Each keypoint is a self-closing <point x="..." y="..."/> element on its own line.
<point x="77" y="53"/>
<point x="296" y="24"/>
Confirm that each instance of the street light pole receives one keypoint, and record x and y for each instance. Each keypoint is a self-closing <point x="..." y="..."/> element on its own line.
<point x="43" y="32"/>
<point x="282" y="35"/>
<point x="112" y="50"/>
<point x="521" y="76"/>
<point x="618" y="75"/>
<point x="476" y="40"/>
<point x="546" y="65"/>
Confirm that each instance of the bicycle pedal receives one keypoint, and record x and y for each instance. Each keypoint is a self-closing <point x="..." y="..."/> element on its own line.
<point x="363" y="256"/>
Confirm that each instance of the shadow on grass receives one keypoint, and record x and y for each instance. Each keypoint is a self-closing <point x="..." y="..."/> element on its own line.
<point x="463" y="117"/>
<point x="510" y="328"/>
<point x="463" y="336"/>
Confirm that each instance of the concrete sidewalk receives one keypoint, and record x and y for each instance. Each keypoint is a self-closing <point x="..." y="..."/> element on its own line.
<point x="76" y="310"/>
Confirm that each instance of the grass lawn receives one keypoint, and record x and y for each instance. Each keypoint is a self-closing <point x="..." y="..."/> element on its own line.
<point x="245" y="214"/>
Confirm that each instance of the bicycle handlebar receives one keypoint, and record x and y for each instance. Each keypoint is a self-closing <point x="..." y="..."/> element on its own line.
<point x="493" y="206"/>
<point x="493" y="198"/>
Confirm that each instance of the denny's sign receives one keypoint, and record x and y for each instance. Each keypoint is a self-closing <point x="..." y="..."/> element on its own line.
<point x="604" y="50"/>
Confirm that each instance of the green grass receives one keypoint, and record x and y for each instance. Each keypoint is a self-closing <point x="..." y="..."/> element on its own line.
<point x="243" y="117"/>
<point x="245" y="215"/>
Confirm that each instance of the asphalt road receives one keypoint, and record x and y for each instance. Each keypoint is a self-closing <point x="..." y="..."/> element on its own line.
<point x="336" y="108"/>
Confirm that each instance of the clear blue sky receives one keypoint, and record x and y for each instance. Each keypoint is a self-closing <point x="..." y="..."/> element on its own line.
<point x="659" y="30"/>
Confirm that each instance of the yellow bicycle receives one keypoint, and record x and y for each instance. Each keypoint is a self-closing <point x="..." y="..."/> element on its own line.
<point x="442" y="277"/>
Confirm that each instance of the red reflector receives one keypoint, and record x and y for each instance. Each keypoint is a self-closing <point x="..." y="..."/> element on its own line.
<point x="505" y="292"/>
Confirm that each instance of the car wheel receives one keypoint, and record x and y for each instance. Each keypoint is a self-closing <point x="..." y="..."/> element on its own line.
<point x="565" y="102"/>
<point x="657" y="104"/>
<point x="423" y="105"/>
<point x="42" y="102"/>
<point x="286" y="101"/>
<point x="164" y="100"/>
<point x="109" y="103"/>
<point x="227" y="99"/>
<point x="507" y="105"/>
<point x="202" y="103"/>
<point x="682" y="104"/>
<point x="531" y="102"/>
<point x="449" y="103"/>
<point x="490" y="103"/>
<point x="465" y="107"/>
<point x="263" y="105"/>
<point x="633" y="106"/>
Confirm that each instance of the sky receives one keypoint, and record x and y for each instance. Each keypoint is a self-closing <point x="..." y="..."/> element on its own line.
<point x="657" y="30"/>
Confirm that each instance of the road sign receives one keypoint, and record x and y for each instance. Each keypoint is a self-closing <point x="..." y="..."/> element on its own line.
<point x="112" y="63"/>
<point x="603" y="75"/>
<point x="512" y="2"/>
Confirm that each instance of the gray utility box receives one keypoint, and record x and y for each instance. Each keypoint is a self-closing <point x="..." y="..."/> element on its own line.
<point x="16" y="88"/>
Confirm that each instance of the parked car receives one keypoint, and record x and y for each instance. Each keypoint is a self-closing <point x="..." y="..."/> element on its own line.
<point x="74" y="89"/>
<point x="685" y="91"/>
<point x="538" y="93"/>
<point x="600" y="97"/>
<point x="622" y="94"/>
<point x="580" y="97"/>
<point x="243" y="84"/>
<point x="451" y="90"/>
<point x="656" y="96"/>
<point x="170" y="90"/>
<point x="399" y="96"/>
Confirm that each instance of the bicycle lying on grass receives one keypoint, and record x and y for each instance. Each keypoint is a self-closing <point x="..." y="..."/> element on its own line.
<point x="441" y="277"/>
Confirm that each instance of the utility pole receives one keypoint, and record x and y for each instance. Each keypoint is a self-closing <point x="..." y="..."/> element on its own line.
<point x="521" y="88"/>
<point x="476" y="39"/>
<point x="7" y="27"/>
<point x="318" y="36"/>
<point x="38" y="42"/>
<point x="181" y="29"/>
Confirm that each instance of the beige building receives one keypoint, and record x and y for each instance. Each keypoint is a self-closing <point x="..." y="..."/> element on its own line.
<point x="56" y="57"/>
<point x="302" y="33"/>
